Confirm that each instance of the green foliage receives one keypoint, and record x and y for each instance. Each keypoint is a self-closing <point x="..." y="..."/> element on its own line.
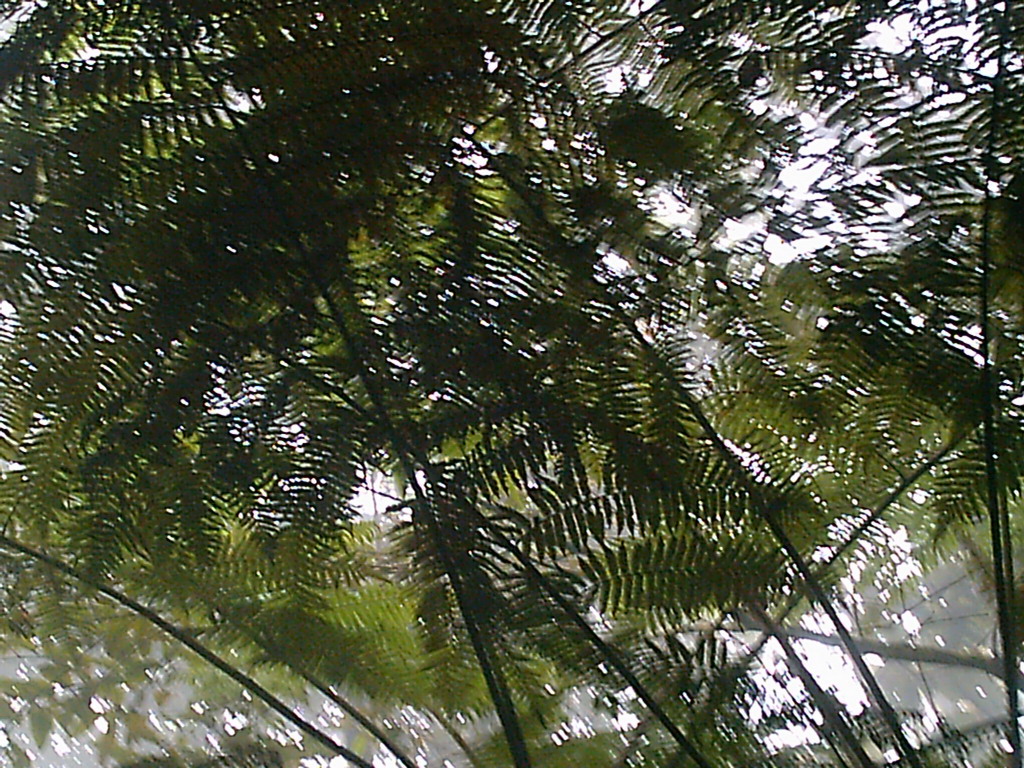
<point x="436" y="362"/>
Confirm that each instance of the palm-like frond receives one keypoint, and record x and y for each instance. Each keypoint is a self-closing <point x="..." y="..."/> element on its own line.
<point x="258" y="253"/>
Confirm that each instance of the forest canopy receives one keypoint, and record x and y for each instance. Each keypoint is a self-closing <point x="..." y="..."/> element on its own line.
<point x="511" y="383"/>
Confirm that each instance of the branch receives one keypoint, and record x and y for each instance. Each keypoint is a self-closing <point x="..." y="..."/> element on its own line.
<point x="411" y="460"/>
<point x="360" y="718"/>
<point x="991" y="665"/>
<point x="768" y="511"/>
<point x="638" y="737"/>
<point x="192" y="644"/>
<point x="611" y="655"/>
<point x="891" y="498"/>
<point x="834" y="719"/>
<point x="457" y="737"/>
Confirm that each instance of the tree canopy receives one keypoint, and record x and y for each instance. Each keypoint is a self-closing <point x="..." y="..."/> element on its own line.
<point x="514" y="383"/>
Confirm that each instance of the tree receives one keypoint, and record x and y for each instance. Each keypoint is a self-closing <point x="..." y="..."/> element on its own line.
<point x="501" y="268"/>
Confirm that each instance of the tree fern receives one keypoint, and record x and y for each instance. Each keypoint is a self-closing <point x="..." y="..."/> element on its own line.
<point x="255" y="254"/>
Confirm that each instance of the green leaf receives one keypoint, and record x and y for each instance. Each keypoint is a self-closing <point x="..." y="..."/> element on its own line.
<point x="41" y="724"/>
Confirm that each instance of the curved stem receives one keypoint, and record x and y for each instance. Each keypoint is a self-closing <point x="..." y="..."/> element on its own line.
<point x="192" y="644"/>
<point x="412" y="460"/>
<point x="891" y="498"/>
<point x="834" y="719"/>
<point x="610" y="654"/>
<point x="367" y="724"/>
<point x="458" y="738"/>
<point x="990" y="665"/>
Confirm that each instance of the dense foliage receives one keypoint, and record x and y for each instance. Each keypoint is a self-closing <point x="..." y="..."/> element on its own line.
<point x="497" y="382"/>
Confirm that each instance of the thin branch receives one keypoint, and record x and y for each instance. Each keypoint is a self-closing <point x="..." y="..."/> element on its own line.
<point x="891" y="498"/>
<point x="877" y="513"/>
<point x="801" y="709"/>
<point x="639" y="734"/>
<point x="768" y="511"/>
<point x="493" y="673"/>
<point x="411" y="457"/>
<point x="458" y="738"/>
<point x="490" y="667"/>
<point x="192" y="644"/>
<point x="929" y="694"/>
<point x="611" y="655"/>
<point x="769" y="516"/>
<point x="345" y="706"/>
<point x="835" y="721"/>
<point x="990" y="665"/>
